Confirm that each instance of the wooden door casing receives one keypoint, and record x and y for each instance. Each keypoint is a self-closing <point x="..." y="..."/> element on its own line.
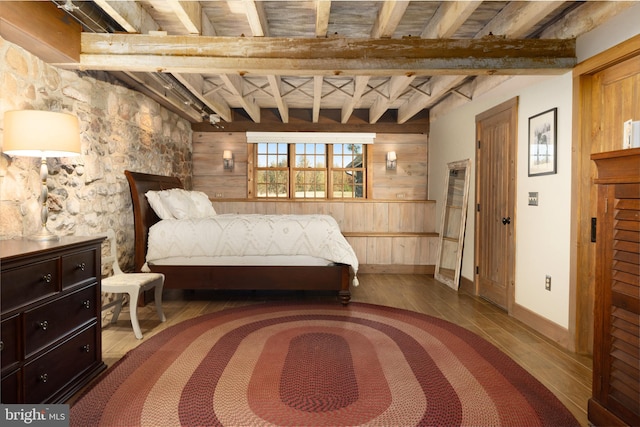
<point x="607" y="94"/>
<point x="495" y="204"/>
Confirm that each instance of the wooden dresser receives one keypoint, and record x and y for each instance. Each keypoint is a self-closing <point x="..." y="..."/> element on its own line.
<point x="50" y="334"/>
<point x="616" y="346"/>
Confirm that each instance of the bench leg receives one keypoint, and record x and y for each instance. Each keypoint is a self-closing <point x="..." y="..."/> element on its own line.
<point x="158" y="300"/>
<point x="133" y="311"/>
<point x="117" y="309"/>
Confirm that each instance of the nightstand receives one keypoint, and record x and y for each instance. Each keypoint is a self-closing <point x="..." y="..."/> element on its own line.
<point x="50" y="337"/>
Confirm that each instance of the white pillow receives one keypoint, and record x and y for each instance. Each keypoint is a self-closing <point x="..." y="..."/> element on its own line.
<point x="178" y="202"/>
<point x="204" y="208"/>
<point x="158" y="207"/>
<point x="181" y="204"/>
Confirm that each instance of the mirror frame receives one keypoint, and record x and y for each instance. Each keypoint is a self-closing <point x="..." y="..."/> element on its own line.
<point x="457" y="240"/>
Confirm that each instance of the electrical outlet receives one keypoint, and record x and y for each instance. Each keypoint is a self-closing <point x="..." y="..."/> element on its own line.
<point x="547" y="283"/>
<point x="218" y="194"/>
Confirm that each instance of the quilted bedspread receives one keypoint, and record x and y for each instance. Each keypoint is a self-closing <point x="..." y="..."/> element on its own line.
<point x="251" y="235"/>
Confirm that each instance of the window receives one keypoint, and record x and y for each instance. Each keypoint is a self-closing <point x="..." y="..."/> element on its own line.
<point x="310" y="175"/>
<point x="272" y="171"/>
<point x="348" y="171"/>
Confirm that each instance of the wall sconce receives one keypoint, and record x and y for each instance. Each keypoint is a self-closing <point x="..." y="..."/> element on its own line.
<point x="227" y="160"/>
<point x="392" y="160"/>
<point x="43" y="134"/>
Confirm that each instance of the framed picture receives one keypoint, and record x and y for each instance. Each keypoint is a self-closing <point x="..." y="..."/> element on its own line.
<point x="542" y="143"/>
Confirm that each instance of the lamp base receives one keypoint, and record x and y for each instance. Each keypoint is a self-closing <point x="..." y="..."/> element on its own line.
<point x="44" y="236"/>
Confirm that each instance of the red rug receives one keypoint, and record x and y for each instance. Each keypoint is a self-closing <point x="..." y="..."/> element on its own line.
<point x="318" y="364"/>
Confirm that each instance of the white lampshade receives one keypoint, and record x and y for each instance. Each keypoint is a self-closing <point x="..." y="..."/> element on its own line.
<point x="391" y="156"/>
<point x="34" y="133"/>
<point x="226" y="154"/>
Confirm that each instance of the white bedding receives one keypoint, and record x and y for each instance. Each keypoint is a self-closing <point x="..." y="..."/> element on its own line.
<point x="247" y="237"/>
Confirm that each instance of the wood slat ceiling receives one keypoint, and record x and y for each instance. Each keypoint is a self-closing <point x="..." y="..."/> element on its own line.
<point x="380" y="78"/>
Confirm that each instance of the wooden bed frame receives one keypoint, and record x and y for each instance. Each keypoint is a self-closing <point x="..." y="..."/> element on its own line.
<point x="334" y="277"/>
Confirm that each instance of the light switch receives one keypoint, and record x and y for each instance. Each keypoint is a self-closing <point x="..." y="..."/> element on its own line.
<point x="533" y="198"/>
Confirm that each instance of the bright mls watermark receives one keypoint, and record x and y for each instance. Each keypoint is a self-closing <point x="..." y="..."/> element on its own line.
<point x="34" y="415"/>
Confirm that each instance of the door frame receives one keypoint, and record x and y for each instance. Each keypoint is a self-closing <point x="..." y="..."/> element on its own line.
<point x="581" y="293"/>
<point x="511" y="105"/>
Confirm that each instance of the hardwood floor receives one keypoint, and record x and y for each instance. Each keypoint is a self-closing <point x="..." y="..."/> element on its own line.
<point x="566" y="374"/>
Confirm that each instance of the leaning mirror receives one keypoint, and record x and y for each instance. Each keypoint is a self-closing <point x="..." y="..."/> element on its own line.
<point x="452" y="225"/>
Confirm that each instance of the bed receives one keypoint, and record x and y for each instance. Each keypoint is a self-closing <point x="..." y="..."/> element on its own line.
<point x="253" y="272"/>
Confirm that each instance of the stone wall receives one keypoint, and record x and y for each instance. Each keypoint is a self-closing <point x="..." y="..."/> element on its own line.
<point x="120" y="129"/>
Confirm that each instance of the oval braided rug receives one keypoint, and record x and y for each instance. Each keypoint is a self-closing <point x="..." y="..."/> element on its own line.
<point x="317" y="364"/>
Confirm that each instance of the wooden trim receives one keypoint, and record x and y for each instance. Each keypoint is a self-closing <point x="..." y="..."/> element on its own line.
<point x="626" y="166"/>
<point x="42" y="29"/>
<point x="467" y="285"/>
<point x="601" y="416"/>
<point x="369" y="173"/>
<point x="329" y="120"/>
<point x="261" y="200"/>
<point x="387" y="234"/>
<point x="395" y="269"/>
<point x="581" y="269"/>
<point x="541" y="324"/>
<point x="251" y="175"/>
<point x="618" y="53"/>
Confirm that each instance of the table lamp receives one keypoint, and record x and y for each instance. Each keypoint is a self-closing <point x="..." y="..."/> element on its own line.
<point x="43" y="134"/>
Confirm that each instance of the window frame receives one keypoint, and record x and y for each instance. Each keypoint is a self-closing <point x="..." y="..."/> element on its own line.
<point x="328" y="170"/>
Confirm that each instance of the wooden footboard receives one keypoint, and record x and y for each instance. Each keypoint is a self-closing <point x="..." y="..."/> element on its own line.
<point x="290" y="278"/>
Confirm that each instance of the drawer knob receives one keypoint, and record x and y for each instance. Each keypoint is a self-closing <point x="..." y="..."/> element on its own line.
<point x="86" y="348"/>
<point x="47" y="278"/>
<point x="1" y="345"/>
<point x="44" y="378"/>
<point x="87" y="304"/>
<point x="44" y="325"/>
<point x="82" y="266"/>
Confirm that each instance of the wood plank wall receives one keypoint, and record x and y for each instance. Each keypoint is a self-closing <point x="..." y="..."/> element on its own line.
<point x="392" y="232"/>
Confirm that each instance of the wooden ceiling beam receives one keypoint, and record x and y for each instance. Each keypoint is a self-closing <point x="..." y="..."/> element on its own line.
<point x="323" y="10"/>
<point x="276" y="92"/>
<point x="388" y="18"/>
<point x="234" y="84"/>
<point x="257" y="18"/>
<point x="439" y="87"/>
<point x="189" y="13"/>
<point x="449" y="18"/>
<point x="515" y="20"/>
<point x="195" y="83"/>
<point x="329" y="56"/>
<point x="317" y="98"/>
<point x="360" y="85"/>
<point x="518" y="18"/>
<point x="396" y="86"/>
<point x="42" y="29"/>
<point x="130" y="15"/>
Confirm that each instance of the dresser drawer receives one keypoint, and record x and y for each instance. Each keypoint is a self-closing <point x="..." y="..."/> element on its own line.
<point x="30" y="283"/>
<point x="10" y="390"/>
<point x="78" y="267"/>
<point x="49" y="322"/>
<point x="10" y="352"/>
<point x="52" y="371"/>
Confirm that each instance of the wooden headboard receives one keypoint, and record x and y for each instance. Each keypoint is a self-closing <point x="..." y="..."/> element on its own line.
<point x="143" y="215"/>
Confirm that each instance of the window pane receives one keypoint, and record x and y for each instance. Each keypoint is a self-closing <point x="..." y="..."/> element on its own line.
<point x="348" y="171"/>
<point x="310" y="184"/>
<point x="271" y="182"/>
